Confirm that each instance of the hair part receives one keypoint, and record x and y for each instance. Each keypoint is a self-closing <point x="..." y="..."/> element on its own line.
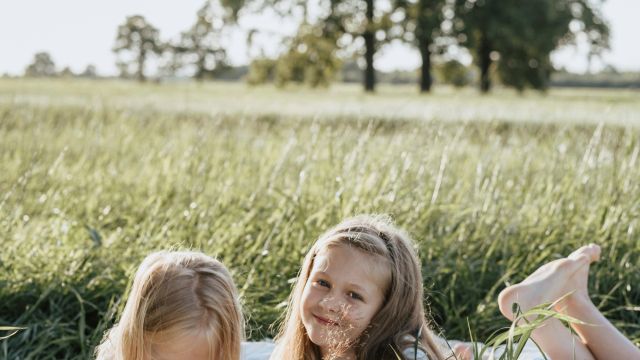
<point x="177" y="293"/>
<point x="402" y="315"/>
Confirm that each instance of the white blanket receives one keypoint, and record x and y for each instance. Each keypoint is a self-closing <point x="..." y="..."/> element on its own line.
<point x="257" y="350"/>
<point x="262" y="350"/>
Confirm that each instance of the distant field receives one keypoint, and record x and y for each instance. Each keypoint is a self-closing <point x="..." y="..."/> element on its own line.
<point x="581" y="106"/>
<point x="94" y="175"/>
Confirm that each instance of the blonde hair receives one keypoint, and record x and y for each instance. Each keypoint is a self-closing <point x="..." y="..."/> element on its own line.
<point x="402" y="316"/>
<point x="177" y="293"/>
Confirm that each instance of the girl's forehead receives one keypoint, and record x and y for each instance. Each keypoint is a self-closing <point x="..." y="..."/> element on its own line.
<point x="350" y="263"/>
<point x="335" y="253"/>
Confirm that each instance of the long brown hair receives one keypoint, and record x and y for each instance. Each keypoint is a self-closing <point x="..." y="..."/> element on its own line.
<point x="172" y="293"/>
<point x="402" y="316"/>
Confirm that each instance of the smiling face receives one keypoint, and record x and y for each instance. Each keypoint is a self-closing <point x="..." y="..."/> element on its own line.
<point x="344" y="291"/>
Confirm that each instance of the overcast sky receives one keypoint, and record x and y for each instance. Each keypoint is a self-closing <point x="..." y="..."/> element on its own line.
<point x="81" y="32"/>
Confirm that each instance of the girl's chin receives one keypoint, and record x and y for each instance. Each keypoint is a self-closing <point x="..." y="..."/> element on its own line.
<point x="318" y="338"/>
<point x="333" y="353"/>
<point x="328" y="344"/>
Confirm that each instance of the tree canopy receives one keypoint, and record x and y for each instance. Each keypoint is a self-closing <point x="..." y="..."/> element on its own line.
<point x="42" y="66"/>
<point x="200" y="46"/>
<point x="520" y="36"/>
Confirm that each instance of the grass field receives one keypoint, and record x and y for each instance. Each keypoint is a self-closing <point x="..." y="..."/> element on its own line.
<point x="95" y="175"/>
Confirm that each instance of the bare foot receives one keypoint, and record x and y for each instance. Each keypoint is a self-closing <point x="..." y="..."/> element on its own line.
<point x="551" y="281"/>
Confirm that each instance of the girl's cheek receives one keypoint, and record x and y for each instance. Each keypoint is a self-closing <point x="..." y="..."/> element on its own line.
<point x="355" y="315"/>
<point x="313" y="291"/>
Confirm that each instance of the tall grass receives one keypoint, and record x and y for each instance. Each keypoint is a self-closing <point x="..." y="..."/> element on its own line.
<point x="87" y="191"/>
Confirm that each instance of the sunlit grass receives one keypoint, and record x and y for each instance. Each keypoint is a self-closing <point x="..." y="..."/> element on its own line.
<point x="89" y="185"/>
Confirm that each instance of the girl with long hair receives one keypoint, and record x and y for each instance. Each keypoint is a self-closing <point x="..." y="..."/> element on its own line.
<point x="359" y="296"/>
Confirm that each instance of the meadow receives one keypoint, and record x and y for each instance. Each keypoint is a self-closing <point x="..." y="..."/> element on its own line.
<point x="94" y="175"/>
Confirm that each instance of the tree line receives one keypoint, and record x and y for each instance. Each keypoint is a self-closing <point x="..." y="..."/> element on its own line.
<point x="509" y="40"/>
<point x="44" y="66"/>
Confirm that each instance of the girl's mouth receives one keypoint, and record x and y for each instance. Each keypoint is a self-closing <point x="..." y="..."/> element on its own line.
<point x="324" y="321"/>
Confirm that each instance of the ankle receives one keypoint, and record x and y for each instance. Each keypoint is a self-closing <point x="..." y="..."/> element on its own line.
<point x="575" y="303"/>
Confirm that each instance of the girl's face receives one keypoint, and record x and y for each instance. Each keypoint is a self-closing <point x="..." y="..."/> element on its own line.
<point x="344" y="291"/>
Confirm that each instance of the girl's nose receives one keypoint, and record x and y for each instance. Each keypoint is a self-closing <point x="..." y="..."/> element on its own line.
<point x="333" y="304"/>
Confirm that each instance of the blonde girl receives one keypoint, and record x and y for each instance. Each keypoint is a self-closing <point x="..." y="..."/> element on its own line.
<point x="358" y="296"/>
<point x="182" y="305"/>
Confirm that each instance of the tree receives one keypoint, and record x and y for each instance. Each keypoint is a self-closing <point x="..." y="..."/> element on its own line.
<point x="455" y="73"/>
<point x="311" y="54"/>
<point x="348" y="20"/>
<point x="339" y="28"/>
<point x="422" y="21"/>
<point x="67" y="72"/>
<point x="89" y="72"/>
<point x="311" y="58"/>
<point x="42" y="66"/>
<point x="139" y="38"/>
<point x="520" y="35"/>
<point x="261" y="71"/>
<point x="200" y="45"/>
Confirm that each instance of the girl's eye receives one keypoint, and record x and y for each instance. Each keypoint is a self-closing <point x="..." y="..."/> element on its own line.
<point x="323" y="283"/>
<point x="355" y="296"/>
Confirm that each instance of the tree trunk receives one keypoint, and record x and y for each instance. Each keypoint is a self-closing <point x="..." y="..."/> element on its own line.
<point x="423" y="36"/>
<point x="369" y="44"/>
<point x="425" y="71"/>
<point x="200" y="68"/>
<point x="484" y="60"/>
<point x="142" y="57"/>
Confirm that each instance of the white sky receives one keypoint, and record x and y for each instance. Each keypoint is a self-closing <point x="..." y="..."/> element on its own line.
<point x="81" y="32"/>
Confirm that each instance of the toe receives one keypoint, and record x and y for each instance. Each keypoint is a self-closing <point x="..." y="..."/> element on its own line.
<point x="590" y="253"/>
<point x="594" y="252"/>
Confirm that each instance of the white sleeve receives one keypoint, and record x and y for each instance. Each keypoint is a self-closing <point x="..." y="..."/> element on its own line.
<point x="261" y="350"/>
<point x="410" y="354"/>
